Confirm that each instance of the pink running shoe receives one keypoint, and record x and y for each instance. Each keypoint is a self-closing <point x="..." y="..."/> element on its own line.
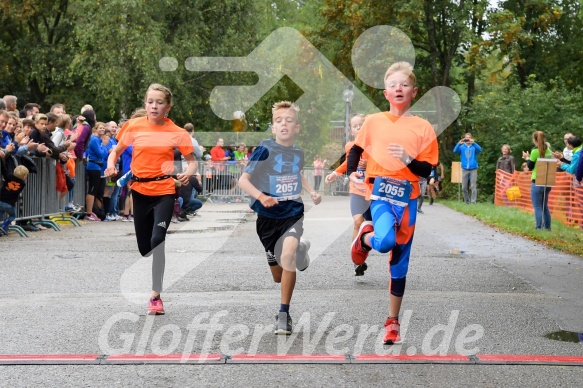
<point x="155" y="306"/>
<point x="92" y="217"/>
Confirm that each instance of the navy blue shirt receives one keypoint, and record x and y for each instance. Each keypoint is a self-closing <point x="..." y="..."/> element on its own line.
<point x="276" y="171"/>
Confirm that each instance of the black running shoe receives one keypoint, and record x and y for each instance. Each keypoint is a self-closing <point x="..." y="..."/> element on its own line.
<point x="359" y="269"/>
<point x="283" y="324"/>
<point x="431" y="201"/>
<point x="302" y="258"/>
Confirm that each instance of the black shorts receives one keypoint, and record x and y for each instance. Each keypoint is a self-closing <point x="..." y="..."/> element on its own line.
<point x="95" y="183"/>
<point x="272" y="232"/>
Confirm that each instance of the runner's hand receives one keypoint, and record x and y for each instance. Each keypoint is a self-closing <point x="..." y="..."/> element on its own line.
<point x="397" y="151"/>
<point x="356" y="176"/>
<point x="331" y="177"/>
<point x="110" y="171"/>
<point x="267" y="201"/>
<point x="316" y="198"/>
<point x="183" y="178"/>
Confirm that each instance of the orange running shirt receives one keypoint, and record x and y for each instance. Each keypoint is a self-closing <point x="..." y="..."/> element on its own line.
<point x="153" y="153"/>
<point x="344" y="166"/>
<point x="415" y="134"/>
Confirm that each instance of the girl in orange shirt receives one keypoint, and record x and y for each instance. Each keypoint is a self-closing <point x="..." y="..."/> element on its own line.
<point x="154" y="139"/>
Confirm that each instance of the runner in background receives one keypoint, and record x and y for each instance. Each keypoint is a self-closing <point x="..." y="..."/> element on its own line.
<point x="359" y="203"/>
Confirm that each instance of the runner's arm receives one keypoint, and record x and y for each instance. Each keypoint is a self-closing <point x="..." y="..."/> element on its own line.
<point x="248" y="187"/>
<point x="112" y="159"/>
<point x="422" y="169"/>
<point x="353" y="158"/>
<point x="190" y="169"/>
<point x="313" y="194"/>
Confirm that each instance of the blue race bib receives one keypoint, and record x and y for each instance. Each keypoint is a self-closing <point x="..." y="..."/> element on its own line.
<point x="391" y="190"/>
<point x="363" y="172"/>
<point x="285" y="187"/>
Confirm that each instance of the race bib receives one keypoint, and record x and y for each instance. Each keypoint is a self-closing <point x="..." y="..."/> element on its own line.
<point x="391" y="190"/>
<point x="361" y="179"/>
<point x="285" y="187"/>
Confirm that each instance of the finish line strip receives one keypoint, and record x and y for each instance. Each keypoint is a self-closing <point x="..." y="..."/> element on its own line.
<point x="189" y="359"/>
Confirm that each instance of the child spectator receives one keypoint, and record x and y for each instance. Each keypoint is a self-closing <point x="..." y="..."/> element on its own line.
<point x="11" y="189"/>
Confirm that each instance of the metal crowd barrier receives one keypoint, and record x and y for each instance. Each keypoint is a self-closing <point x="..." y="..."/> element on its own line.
<point x="220" y="182"/>
<point x="340" y="186"/>
<point x="39" y="202"/>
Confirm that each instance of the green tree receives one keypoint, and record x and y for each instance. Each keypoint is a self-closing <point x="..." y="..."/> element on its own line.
<point x="36" y="47"/>
<point x="527" y="35"/>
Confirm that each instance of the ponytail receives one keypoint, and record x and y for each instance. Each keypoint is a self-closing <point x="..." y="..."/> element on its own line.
<point x="541" y="144"/>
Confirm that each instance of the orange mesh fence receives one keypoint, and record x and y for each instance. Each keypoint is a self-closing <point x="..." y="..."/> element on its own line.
<point x="565" y="199"/>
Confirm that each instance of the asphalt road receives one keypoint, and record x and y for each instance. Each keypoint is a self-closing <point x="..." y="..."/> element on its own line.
<point x="471" y="292"/>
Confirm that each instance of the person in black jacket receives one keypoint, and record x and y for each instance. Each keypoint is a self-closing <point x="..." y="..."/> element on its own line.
<point x="188" y="193"/>
<point x="11" y="189"/>
<point x="40" y="134"/>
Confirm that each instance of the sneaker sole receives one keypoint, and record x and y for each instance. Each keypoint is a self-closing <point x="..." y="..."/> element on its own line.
<point x="359" y="270"/>
<point x="389" y="342"/>
<point x="282" y="332"/>
<point x="306" y="255"/>
<point x="156" y="312"/>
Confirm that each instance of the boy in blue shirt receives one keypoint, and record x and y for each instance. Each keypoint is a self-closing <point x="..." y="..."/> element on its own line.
<point x="274" y="180"/>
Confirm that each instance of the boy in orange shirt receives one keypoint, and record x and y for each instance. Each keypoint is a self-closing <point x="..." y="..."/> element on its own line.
<point x="401" y="148"/>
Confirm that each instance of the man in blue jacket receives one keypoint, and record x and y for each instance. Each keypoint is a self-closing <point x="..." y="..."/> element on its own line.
<point x="468" y="150"/>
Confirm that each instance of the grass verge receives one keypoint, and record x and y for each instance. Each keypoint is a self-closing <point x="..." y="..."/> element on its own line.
<point x="562" y="237"/>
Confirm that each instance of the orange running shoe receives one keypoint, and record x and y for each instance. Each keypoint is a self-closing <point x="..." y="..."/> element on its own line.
<point x="155" y="306"/>
<point x="358" y="251"/>
<point x="392" y="329"/>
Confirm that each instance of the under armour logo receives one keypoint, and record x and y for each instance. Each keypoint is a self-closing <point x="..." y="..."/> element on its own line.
<point x="162" y="224"/>
<point x="287" y="166"/>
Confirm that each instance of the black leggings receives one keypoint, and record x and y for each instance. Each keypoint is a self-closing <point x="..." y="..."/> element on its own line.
<point x="152" y="216"/>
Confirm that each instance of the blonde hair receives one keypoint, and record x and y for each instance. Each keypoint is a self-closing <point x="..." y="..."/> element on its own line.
<point x="285" y="105"/>
<point x="40" y="117"/>
<point x="12" y="116"/>
<point x="20" y="172"/>
<point x="97" y="124"/>
<point x="507" y="146"/>
<point x="403" y="67"/>
<point x="65" y="121"/>
<point x="160" y="88"/>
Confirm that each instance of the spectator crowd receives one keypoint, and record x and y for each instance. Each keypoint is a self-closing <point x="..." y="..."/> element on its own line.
<point x="74" y="143"/>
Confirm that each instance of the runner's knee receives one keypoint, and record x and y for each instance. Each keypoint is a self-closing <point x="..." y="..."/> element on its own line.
<point x="398" y="286"/>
